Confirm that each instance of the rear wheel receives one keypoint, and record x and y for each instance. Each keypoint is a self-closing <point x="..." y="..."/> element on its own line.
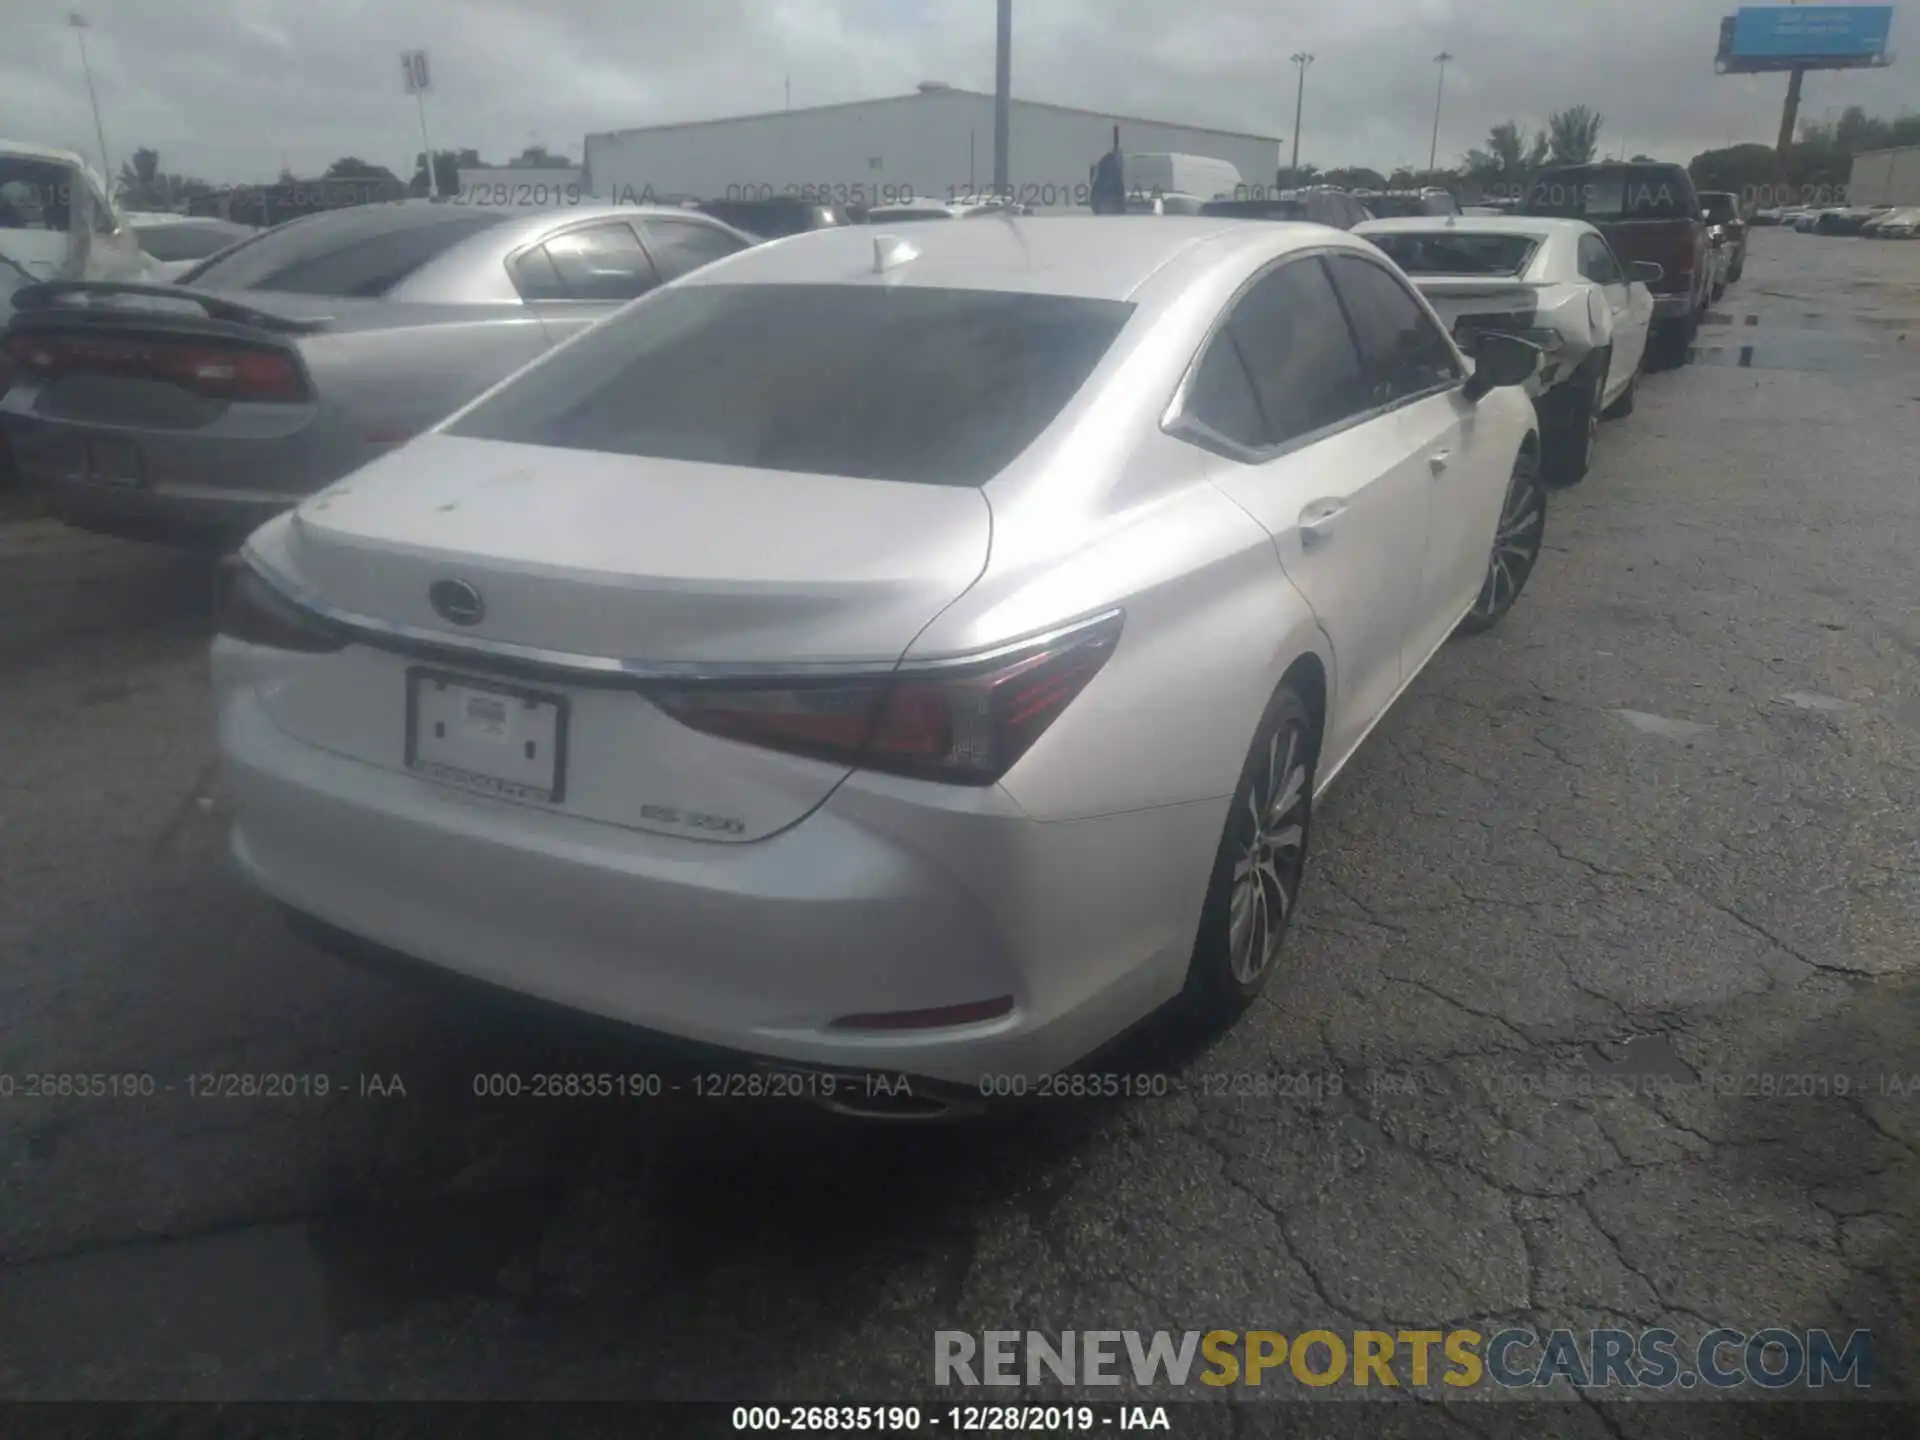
<point x="1516" y="547"/>
<point x="1572" y="425"/>
<point x="1258" y="868"/>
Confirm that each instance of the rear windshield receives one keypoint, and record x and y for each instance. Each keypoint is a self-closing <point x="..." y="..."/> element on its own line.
<point x="1613" y="192"/>
<point x="932" y="386"/>
<point x="362" y="251"/>
<point x="1407" y="206"/>
<point x="879" y="217"/>
<point x="1256" y="209"/>
<point x="194" y="240"/>
<point x="1439" y="252"/>
<point x="34" y="194"/>
<point x="773" y="219"/>
<point x="1719" y="206"/>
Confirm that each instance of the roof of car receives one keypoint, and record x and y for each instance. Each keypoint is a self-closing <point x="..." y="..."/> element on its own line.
<point x="1104" y="257"/>
<point x="1472" y="224"/>
<point x="40" y="152"/>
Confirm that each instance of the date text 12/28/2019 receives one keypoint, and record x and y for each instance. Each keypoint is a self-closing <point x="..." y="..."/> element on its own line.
<point x="959" y="1419"/>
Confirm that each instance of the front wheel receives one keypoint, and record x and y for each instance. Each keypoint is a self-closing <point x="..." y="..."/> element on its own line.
<point x="1258" y="868"/>
<point x="1516" y="547"/>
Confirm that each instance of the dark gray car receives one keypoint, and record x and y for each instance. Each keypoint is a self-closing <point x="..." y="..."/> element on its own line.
<point x="190" y="413"/>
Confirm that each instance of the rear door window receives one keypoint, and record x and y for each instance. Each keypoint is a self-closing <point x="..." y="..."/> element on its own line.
<point x="362" y="251"/>
<point x="679" y="247"/>
<point x="1405" y="352"/>
<point x="916" y="384"/>
<point x="601" y="262"/>
<point x="1289" y="332"/>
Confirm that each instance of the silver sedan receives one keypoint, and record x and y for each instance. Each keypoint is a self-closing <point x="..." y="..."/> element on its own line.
<point x="190" y="414"/>
<point x="908" y="653"/>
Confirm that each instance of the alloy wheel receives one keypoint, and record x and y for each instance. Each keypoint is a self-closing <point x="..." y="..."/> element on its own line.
<point x="1516" y="546"/>
<point x="1270" y="854"/>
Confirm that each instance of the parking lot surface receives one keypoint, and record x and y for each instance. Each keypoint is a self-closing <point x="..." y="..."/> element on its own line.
<point x="1603" y="1008"/>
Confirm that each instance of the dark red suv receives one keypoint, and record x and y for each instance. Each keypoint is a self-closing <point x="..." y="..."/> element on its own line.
<point x="1648" y="210"/>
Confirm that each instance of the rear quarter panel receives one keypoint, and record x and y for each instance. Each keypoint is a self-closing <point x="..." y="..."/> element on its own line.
<point x="400" y="381"/>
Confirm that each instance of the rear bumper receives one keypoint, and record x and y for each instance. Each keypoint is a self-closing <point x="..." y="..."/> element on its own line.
<point x="876" y="903"/>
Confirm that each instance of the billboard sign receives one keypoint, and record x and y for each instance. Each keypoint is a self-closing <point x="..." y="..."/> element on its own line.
<point x="1810" y="37"/>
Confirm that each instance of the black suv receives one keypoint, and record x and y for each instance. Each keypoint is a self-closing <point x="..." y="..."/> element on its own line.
<point x="775" y="218"/>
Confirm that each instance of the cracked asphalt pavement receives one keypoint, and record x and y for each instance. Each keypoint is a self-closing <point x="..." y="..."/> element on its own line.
<point x="1611" y="942"/>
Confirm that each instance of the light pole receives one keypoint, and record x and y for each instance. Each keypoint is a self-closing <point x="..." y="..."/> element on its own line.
<point x="1002" y="99"/>
<point x="1301" y="59"/>
<point x="79" y="24"/>
<point x="1433" y="151"/>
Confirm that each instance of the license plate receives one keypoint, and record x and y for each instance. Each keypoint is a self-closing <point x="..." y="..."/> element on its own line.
<point x="114" y="462"/>
<point x="483" y="735"/>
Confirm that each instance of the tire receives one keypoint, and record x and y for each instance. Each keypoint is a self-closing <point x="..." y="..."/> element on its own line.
<point x="1671" y="341"/>
<point x="1739" y="269"/>
<point x="1240" y="941"/>
<point x="1569" y="436"/>
<point x="1720" y="288"/>
<point x="1516" y="547"/>
<point x="1623" y="403"/>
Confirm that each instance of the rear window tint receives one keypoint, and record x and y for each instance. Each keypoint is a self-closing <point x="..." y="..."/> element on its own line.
<point x="937" y="387"/>
<point x="1448" y="252"/>
<point x="362" y="251"/>
<point x="1613" y="192"/>
<point x="773" y="219"/>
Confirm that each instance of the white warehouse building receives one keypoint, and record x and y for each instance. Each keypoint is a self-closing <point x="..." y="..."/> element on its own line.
<point x="937" y="143"/>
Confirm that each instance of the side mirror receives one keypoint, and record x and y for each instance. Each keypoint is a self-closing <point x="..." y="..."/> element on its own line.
<point x="1500" y="360"/>
<point x="1647" y="272"/>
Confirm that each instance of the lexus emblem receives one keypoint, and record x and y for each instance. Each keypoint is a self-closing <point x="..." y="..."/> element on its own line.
<point x="457" y="601"/>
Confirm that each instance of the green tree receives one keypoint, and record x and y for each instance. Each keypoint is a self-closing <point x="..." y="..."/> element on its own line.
<point x="1574" y="135"/>
<point x="446" y="171"/>
<point x="1356" y="177"/>
<point x="1507" y="162"/>
<point x="352" y="167"/>
<point x="537" y="157"/>
<point x="141" y="186"/>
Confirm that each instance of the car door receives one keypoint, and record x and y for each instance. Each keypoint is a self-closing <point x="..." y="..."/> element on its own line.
<point x="680" y="245"/>
<point x="1414" y="377"/>
<point x="1279" y="399"/>
<point x="1631" y="305"/>
<point x="574" y="276"/>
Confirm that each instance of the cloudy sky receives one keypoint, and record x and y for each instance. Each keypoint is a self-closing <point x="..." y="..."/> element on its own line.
<point x="232" y="90"/>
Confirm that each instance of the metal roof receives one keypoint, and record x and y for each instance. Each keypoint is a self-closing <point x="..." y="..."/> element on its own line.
<point x="924" y="94"/>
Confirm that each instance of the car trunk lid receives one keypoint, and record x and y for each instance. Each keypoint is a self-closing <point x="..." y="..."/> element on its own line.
<point x="597" y="576"/>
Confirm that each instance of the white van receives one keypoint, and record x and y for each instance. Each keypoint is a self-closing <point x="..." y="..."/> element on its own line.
<point x="1164" y="174"/>
<point x="56" y="221"/>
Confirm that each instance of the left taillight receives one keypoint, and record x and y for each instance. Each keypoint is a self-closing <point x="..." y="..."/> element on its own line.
<point x="964" y="723"/>
<point x="250" y="610"/>
<point x="217" y="369"/>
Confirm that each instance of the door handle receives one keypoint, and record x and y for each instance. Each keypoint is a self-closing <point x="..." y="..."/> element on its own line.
<point x="1437" y="461"/>
<point x="1317" y="521"/>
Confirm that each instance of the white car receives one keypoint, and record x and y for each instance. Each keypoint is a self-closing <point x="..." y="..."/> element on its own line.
<point x="56" y="221"/>
<point x="1557" y="283"/>
<point x="936" y="699"/>
<point x="1898" y="225"/>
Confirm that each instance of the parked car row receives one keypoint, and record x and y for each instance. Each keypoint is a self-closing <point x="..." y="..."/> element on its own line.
<point x="1878" y="222"/>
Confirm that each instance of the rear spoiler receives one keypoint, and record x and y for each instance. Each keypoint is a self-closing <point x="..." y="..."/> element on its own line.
<point x="50" y="294"/>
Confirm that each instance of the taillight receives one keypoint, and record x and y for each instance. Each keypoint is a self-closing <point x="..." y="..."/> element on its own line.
<point x="250" y="610"/>
<point x="220" y="370"/>
<point x="964" y="723"/>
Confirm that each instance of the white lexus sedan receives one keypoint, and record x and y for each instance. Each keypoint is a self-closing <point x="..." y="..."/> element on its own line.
<point x="1557" y="283"/>
<point x="907" y="654"/>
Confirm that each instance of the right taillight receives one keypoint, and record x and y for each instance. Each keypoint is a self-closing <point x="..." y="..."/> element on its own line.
<point x="250" y="610"/>
<point x="963" y="722"/>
